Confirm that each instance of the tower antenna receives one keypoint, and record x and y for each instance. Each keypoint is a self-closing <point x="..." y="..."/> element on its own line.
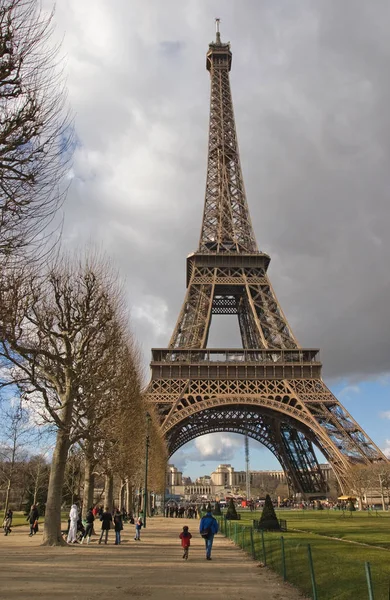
<point x="217" y="22"/>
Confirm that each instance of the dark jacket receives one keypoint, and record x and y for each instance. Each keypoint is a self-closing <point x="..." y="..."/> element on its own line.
<point x="118" y="522"/>
<point x="89" y="517"/>
<point x="106" y="520"/>
<point x="208" y="523"/>
<point x="33" y="516"/>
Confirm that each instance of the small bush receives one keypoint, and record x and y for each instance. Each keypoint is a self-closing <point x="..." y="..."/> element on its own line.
<point x="217" y="510"/>
<point x="231" y="512"/>
<point x="268" y="520"/>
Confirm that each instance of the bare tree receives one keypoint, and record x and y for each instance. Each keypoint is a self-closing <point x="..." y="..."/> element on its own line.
<point x="73" y="476"/>
<point x="53" y="332"/>
<point x="118" y="423"/>
<point x="37" y="478"/>
<point x="35" y="134"/>
<point x="13" y="440"/>
<point x="380" y="481"/>
<point x="360" y="481"/>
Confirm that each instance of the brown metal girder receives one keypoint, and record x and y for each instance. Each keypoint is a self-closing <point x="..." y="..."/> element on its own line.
<point x="332" y="420"/>
<point x="225" y="420"/>
<point x="300" y="415"/>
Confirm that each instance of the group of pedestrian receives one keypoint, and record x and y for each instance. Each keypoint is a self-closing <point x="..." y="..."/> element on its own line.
<point x="208" y="527"/>
<point x="77" y="533"/>
<point x="181" y="512"/>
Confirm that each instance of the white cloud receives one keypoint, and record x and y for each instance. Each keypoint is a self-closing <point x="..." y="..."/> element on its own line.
<point x="213" y="447"/>
<point x="348" y="391"/>
<point x="385" y="414"/>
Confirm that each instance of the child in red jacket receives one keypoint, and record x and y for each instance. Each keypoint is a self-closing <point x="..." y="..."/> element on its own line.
<point x="185" y="537"/>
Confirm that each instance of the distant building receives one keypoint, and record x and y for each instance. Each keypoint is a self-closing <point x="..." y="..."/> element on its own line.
<point x="225" y="480"/>
<point x="174" y="477"/>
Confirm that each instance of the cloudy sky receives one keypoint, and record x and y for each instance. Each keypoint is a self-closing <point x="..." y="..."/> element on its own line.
<point x="311" y="90"/>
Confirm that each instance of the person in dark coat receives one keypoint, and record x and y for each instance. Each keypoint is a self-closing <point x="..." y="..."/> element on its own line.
<point x="208" y="527"/>
<point x="33" y="520"/>
<point x="89" y="517"/>
<point x="8" y="522"/>
<point x="118" y="526"/>
<point x="106" y="520"/>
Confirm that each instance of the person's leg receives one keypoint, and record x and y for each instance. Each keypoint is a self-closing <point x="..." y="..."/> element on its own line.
<point x="106" y="538"/>
<point x="209" y="545"/>
<point x="101" y="536"/>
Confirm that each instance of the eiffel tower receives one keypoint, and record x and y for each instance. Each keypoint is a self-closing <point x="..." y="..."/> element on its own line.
<point x="271" y="389"/>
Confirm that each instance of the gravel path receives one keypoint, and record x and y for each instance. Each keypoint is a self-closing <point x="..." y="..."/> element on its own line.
<point x="152" y="568"/>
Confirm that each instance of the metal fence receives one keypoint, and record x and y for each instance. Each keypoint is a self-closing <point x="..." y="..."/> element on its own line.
<point x="321" y="576"/>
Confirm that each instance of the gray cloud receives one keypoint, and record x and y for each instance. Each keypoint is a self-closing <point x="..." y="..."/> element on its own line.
<point x="311" y="88"/>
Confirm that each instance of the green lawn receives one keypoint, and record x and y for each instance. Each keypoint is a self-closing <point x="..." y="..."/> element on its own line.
<point x="338" y="565"/>
<point x="19" y="518"/>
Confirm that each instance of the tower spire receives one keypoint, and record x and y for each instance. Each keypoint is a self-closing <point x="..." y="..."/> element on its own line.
<point x="218" y="35"/>
<point x="226" y="225"/>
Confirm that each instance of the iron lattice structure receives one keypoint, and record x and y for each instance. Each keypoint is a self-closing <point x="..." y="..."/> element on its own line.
<point x="271" y="390"/>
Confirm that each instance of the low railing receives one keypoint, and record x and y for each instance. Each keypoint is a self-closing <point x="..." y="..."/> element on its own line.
<point x="217" y="355"/>
<point x="322" y="569"/>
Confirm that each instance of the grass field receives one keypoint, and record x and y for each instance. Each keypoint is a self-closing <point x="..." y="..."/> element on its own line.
<point x="19" y="518"/>
<point x="339" y="564"/>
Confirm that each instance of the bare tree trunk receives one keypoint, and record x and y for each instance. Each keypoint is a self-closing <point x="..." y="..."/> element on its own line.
<point x="109" y="491"/>
<point x="7" y="495"/>
<point x="89" y="484"/>
<point x="121" y="495"/>
<point x="52" y="529"/>
<point x="382" y="493"/>
<point x="36" y="483"/>
<point x="129" y="497"/>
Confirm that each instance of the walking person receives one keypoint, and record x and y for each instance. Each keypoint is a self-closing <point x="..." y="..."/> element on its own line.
<point x="118" y="526"/>
<point x="106" y="519"/>
<point x="89" y="517"/>
<point x="185" y="537"/>
<point x="8" y="522"/>
<point x="33" y="520"/>
<point x="208" y="528"/>
<point x="138" y="526"/>
<point x="73" y="518"/>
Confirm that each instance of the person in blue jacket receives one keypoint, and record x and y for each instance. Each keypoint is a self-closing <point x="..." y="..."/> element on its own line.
<point x="208" y="528"/>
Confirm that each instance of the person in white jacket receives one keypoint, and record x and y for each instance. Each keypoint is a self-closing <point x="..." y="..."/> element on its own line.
<point x="73" y="516"/>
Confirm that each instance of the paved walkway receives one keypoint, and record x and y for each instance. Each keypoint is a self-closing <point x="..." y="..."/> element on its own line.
<point x="152" y="568"/>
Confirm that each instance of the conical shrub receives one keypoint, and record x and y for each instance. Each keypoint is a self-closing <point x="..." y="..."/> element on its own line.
<point x="268" y="519"/>
<point x="217" y="510"/>
<point x="231" y="512"/>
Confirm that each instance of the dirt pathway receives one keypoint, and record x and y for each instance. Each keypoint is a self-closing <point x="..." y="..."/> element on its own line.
<point x="152" y="568"/>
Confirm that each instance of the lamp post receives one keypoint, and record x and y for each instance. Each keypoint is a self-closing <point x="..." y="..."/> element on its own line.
<point x="148" y="419"/>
